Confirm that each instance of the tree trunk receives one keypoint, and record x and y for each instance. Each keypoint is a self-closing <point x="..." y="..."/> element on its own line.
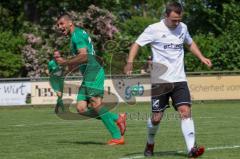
<point x="31" y="11"/>
<point x="144" y="8"/>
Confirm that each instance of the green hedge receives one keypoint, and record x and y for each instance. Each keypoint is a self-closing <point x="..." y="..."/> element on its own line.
<point x="11" y="61"/>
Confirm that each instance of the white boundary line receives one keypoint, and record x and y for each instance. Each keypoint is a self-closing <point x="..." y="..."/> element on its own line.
<point x="207" y="149"/>
<point x="223" y="147"/>
<point x="39" y="124"/>
<point x="133" y="157"/>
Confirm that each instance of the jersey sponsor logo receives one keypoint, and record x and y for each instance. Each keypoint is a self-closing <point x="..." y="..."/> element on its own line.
<point x="163" y="36"/>
<point x="58" y="73"/>
<point x="173" y="46"/>
<point x="181" y="36"/>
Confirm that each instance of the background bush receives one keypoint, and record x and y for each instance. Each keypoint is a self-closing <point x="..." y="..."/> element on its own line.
<point x="113" y="26"/>
<point x="11" y="61"/>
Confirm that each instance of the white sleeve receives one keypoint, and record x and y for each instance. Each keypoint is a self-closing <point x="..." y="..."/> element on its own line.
<point x="188" y="39"/>
<point x="146" y="37"/>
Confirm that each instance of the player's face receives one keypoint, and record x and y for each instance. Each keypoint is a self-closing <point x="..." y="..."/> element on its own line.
<point x="173" y="20"/>
<point x="56" y="54"/>
<point x="64" y="26"/>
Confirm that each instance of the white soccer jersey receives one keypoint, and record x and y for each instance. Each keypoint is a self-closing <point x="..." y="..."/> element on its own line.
<point x="167" y="49"/>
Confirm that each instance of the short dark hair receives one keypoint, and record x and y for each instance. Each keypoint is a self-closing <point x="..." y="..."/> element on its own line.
<point x="65" y="16"/>
<point x="173" y="7"/>
<point x="56" y="50"/>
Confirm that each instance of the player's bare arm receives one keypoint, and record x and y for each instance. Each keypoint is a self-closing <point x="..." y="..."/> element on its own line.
<point x="195" y="50"/>
<point x="132" y="54"/>
<point x="79" y="59"/>
<point x="75" y="61"/>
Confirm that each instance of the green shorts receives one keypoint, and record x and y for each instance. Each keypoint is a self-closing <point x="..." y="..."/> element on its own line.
<point x="57" y="83"/>
<point x="89" y="89"/>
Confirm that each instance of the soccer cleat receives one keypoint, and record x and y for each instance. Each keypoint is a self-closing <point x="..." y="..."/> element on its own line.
<point x="116" y="141"/>
<point x="121" y="123"/>
<point x="148" y="150"/>
<point x="196" y="152"/>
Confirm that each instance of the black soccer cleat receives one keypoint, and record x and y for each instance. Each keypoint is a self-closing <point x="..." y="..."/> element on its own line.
<point x="148" y="152"/>
<point x="196" y="152"/>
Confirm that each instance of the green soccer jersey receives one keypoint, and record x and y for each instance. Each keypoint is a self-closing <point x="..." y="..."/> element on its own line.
<point x="80" y="39"/>
<point x="56" y="76"/>
<point x="54" y="69"/>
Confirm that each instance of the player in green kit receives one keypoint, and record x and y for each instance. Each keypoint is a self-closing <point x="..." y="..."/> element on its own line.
<point x="56" y="79"/>
<point x="92" y="88"/>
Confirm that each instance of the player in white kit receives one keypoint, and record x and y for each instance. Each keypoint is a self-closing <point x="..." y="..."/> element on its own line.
<point x="167" y="39"/>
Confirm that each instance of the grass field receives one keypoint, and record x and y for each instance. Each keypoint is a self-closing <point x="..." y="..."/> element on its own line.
<point x="37" y="133"/>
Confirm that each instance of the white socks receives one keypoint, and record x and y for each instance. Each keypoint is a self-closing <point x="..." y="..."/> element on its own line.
<point x="152" y="130"/>
<point x="188" y="132"/>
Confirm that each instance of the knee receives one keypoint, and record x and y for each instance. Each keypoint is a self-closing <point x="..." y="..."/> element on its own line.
<point x="156" y="118"/>
<point x="155" y="122"/>
<point x="96" y="104"/>
<point x="81" y="109"/>
<point x="59" y="94"/>
<point x="184" y="112"/>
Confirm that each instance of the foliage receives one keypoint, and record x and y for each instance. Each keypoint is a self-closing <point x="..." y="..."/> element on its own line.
<point x="136" y="25"/>
<point x="223" y="50"/>
<point x="214" y="25"/>
<point x="210" y="16"/>
<point x="10" y="55"/>
<point x="209" y="46"/>
<point x="132" y="28"/>
<point x="98" y="22"/>
<point x="11" y="16"/>
<point x="115" y="53"/>
<point x="229" y="57"/>
<point x="221" y="45"/>
<point x="35" y="54"/>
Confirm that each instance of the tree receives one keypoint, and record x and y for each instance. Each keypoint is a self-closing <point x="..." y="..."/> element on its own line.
<point x="219" y="36"/>
<point x="10" y="54"/>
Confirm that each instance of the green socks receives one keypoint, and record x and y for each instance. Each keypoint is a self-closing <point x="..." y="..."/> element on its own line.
<point x="60" y="103"/>
<point x="108" y="120"/>
<point x="90" y="112"/>
<point x="114" y="116"/>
